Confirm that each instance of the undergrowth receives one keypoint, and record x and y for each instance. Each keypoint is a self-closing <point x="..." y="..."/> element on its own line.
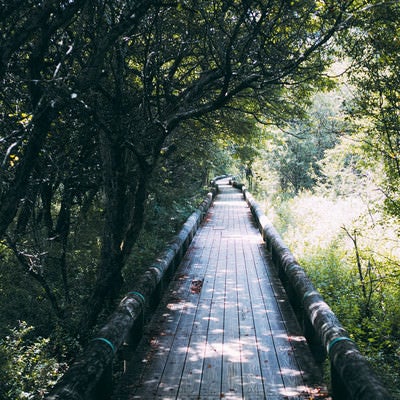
<point x="352" y="258"/>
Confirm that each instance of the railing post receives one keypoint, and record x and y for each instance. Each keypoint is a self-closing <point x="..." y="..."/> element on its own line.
<point x="338" y="388"/>
<point x="314" y="342"/>
<point x="134" y="336"/>
<point x="103" y="390"/>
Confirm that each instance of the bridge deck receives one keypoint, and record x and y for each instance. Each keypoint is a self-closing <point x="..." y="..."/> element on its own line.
<point x="225" y="328"/>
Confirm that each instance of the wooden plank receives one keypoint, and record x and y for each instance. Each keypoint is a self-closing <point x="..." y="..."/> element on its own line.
<point x="231" y="366"/>
<point x="165" y="326"/>
<point x="265" y="350"/>
<point x="183" y="375"/>
<point x="290" y="371"/>
<point x="302" y="352"/>
<point x="212" y="366"/>
<point x="185" y="350"/>
<point x="268" y="360"/>
<point x="207" y="320"/>
<point x="153" y="362"/>
<point x="252" y="376"/>
<point x="252" y="380"/>
<point x="170" y="380"/>
<point x="193" y="369"/>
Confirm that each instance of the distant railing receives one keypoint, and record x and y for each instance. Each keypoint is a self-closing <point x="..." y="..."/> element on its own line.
<point x="90" y="376"/>
<point x="352" y="378"/>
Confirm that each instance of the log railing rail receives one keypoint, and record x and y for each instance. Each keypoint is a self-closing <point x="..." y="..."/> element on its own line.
<point x="90" y="376"/>
<point x="352" y="377"/>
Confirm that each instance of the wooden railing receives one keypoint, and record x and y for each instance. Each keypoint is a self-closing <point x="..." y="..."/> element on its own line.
<point x="90" y="376"/>
<point x="352" y="378"/>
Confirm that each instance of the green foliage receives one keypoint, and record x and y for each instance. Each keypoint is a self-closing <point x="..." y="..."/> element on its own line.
<point x="377" y="336"/>
<point x="374" y="43"/>
<point x="179" y="184"/>
<point x="295" y="153"/>
<point x="96" y="95"/>
<point x="20" y="298"/>
<point x="340" y="170"/>
<point x="114" y="114"/>
<point x="334" y="278"/>
<point x="27" y="368"/>
<point x="356" y="269"/>
<point x="310" y="222"/>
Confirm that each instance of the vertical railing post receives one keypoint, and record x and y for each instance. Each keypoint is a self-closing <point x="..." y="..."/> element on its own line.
<point x="338" y="388"/>
<point x="103" y="389"/>
<point x="131" y="342"/>
<point x="314" y="342"/>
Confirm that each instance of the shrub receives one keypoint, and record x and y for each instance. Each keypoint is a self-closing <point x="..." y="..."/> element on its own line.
<point x="358" y="279"/>
<point x="27" y="368"/>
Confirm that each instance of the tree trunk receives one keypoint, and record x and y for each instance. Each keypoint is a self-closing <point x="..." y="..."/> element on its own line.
<point x="125" y="190"/>
<point x="10" y="199"/>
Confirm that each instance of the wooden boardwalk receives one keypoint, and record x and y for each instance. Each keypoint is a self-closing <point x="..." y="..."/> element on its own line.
<point x="225" y="328"/>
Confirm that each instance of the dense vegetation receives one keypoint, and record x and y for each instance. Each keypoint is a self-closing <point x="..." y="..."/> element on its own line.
<point x="333" y="192"/>
<point x="115" y="114"/>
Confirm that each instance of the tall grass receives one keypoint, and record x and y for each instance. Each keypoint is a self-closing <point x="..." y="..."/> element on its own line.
<point x="361" y="287"/>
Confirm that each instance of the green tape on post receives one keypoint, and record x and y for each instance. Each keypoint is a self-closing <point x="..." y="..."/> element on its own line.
<point x="141" y="297"/>
<point x="336" y="340"/>
<point x="106" y="341"/>
<point x="159" y="268"/>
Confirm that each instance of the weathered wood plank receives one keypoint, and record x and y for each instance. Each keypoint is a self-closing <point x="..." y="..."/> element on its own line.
<point x="172" y="373"/>
<point x="288" y="339"/>
<point x="289" y="368"/>
<point x="252" y="377"/>
<point x="268" y="360"/>
<point x="212" y="367"/>
<point x="145" y="368"/>
<point x="193" y="369"/>
<point x="177" y="376"/>
<point x="232" y="360"/>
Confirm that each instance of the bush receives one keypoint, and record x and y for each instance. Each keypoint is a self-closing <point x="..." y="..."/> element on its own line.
<point x="312" y="227"/>
<point x="27" y="368"/>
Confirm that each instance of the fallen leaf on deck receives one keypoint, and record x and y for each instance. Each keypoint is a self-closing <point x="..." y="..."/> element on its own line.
<point x="196" y="286"/>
